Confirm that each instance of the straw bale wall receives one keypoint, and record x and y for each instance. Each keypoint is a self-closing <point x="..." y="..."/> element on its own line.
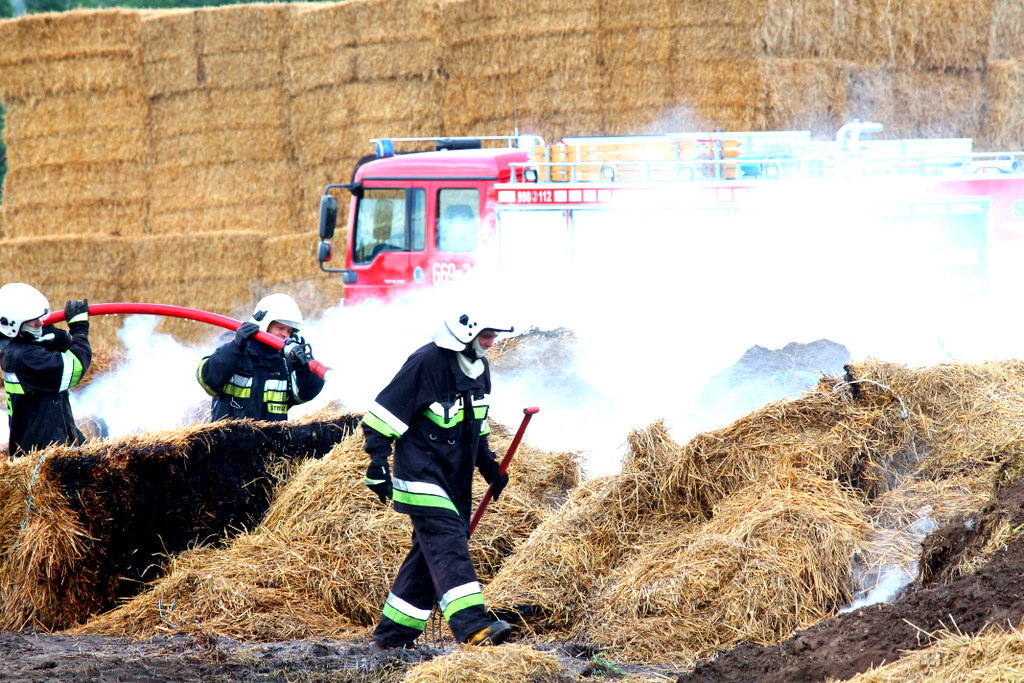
<point x="82" y="527"/>
<point x="124" y="123"/>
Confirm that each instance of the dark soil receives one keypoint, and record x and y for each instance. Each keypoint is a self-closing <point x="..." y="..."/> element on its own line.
<point x="839" y="648"/>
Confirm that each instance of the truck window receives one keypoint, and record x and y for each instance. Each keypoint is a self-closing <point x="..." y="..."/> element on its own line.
<point x="389" y="220"/>
<point x="458" y="219"/>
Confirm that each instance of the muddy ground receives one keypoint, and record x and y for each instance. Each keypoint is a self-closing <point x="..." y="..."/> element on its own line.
<point x="837" y="648"/>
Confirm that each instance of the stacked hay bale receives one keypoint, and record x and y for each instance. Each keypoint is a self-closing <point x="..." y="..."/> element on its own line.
<point x="750" y="532"/>
<point x="224" y="173"/>
<point x="77" y="180"/>
<point x="537" y="65"/>
<point x="322" y="561"/>
<point x="359" y="70"/>
<point x="82" y="527"/>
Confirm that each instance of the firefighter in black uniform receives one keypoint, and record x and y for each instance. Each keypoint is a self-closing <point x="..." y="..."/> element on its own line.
<point x="434" y="411"/>
<point x="248" y="378"/>
<point x="40" y="364"/>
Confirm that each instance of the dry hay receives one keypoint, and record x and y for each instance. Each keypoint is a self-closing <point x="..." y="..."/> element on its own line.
<point x="995" y="656"/>
<point x="488" y="665"/>
<point x="775" y="557"/>
<point x="105" y="515"/>
<point x="1003" y="126"/>
<point x="889" y="440"/>
<point x="323" y="558"/>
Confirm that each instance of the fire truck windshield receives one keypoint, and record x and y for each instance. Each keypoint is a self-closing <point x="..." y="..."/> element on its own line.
<point x="391" y="219"/>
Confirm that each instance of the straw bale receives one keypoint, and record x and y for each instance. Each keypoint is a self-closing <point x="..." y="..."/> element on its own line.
<point x="204" y="186"/>
<point x="917" y="103"/>
<point x="95" y="146"/>
<point x="320" y="115"/>
<point x="96" y="217"/>
<point x="1003" y="125"/>
<point x="488" y="665"/>
<point x="800" y="29"/>
<point x="222" y="146"/>
<point x="53" y="37"/>
<point x="249" y="217"/>
<point x="534" y="348"/>
<point x="946" y="34"/>
<point x="409" y="102"/>
<point x="199" y="111"/>
<point x="44" y="544"/>
<point x="877" y="25"/>
<point x="106" y="513"/>
<point x="65" y="268"/>
<point x="774" y="558"/>
<point x="76" y="114"/>
<point x="95" y="72"/>
<point x="323" y="559"/>
<point x="170" y="76"/>
<point x="207" y="255"/>
<point x="244" y="70"/>
<point x="292" y="257"/>
<point x="995" y="655"/>
<point x="242" y="28"/>
<point x="804" y="94"/>
<point x="727" y="93"/>
<point x="539" y="106"/>
<point x="167" y="35"/>
<point x="53" y="185"/>
<point x="1007" y="30"/>
<point x="469" y="20"/>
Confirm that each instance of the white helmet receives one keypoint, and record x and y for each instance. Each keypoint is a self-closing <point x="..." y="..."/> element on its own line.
<point x="279" y="307"/>
<point x="20" y="303"/>
<point x="459" y="331"/>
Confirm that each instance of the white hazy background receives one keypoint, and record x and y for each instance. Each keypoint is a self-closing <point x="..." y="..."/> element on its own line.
<point x="671" y="300"/>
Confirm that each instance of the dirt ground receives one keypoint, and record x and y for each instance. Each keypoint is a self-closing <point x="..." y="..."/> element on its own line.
<point x="838" y="648"/>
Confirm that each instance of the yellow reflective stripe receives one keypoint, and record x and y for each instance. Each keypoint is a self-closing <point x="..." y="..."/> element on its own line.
<point x="275" y="396"/>
<point x="440" y="421"/>
<point x="13" y="387"/>
<point x="237" y="391"/>
<point x="199" y="376"/>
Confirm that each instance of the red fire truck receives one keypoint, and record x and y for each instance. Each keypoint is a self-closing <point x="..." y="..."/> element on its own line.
<point x="929" y="210"/>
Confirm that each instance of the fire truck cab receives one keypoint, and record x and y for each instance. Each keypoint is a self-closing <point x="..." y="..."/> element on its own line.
<point x="925" y="208"/>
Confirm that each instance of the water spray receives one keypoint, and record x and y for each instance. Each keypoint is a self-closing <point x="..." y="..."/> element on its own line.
<point x="169" y="311"/>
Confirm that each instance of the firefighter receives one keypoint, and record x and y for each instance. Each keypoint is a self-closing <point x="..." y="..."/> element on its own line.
<point x="40" y="364"/>
<point x="434" y="412"/>
<point x="248" y="378"/>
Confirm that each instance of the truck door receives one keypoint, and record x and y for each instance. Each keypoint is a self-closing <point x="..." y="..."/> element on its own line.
<point x="459" y="230"/>
<point x="390" y="225"/>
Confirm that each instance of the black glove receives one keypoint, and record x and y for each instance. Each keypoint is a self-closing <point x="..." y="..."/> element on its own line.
<point x="298" y="352"/>
<point x="491" y="471"/>
<point x="76" y="313"/>
<point x="55" y="339"/>
<point x="244" y="333"/>
<point x="378" y="478"/>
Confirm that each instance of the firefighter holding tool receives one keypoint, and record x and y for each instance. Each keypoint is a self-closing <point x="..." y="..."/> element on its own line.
<point x="40" y="364"/>
<point x="434" y="413"/>
<point x="248" y="378"/>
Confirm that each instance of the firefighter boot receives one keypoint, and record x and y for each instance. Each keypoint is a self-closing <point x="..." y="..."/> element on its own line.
<point x="495" y="634"/>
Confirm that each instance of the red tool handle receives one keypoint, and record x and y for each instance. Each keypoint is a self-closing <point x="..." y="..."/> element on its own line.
<point x="181" y="312"/>
<point x="489" y="493"/>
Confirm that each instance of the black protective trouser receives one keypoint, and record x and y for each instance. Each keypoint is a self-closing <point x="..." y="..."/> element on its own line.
<point x="437" y="569"/>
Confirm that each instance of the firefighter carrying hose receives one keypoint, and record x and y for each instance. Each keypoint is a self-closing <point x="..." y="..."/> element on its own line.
<point x="40" y="364"/>
<point x="434" y="411"/>
<point x="248" y="378"/>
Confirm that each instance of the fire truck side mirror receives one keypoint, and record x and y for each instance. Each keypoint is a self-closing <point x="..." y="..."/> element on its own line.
<point x="328" y="216"/>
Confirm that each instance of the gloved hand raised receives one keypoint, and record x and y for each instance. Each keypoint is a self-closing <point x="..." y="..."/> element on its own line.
<point x="491" y="472"/>
<point x="378" y="478"/>
<point x="76" y="312"/>
<point x="244" y="333"/>
<point x="298" y="352"/>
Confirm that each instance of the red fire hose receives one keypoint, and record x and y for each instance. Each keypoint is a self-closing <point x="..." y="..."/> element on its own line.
<point x="181" y="312"/>
<point x="489" y="493"/>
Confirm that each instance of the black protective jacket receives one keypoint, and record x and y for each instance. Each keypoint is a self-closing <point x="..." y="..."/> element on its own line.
<point x="436" y="417"/>
<point x="37" y="377"/>
<point x="256" y="382"/>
